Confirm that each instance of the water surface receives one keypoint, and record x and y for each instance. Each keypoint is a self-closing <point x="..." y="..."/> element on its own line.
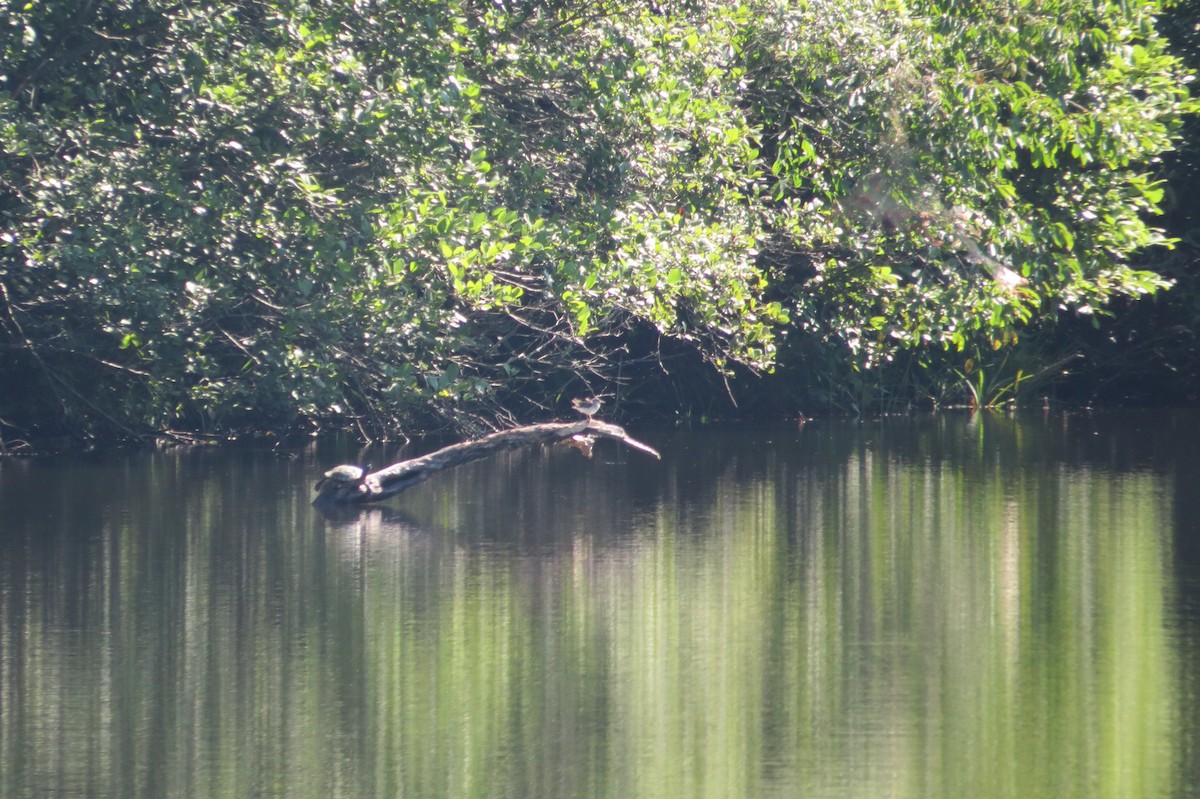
<point x="936" y="607"/>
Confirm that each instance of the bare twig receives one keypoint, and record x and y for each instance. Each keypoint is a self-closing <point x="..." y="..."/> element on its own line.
<point x="51" y="377"/>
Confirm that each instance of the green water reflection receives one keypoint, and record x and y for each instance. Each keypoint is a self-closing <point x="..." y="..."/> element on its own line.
<point x="941" y="608"/>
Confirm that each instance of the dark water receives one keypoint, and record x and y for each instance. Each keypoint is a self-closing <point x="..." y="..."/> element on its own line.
<point x="943" y="607"/>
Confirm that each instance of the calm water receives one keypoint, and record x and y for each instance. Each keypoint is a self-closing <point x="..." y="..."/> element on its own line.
<point x="939" y="607"/>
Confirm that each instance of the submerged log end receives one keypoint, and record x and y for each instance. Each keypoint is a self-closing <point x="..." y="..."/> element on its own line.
<point x="334" y="492"/>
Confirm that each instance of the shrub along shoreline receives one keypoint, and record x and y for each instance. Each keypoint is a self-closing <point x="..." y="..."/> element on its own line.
<point x="291" y="217"/>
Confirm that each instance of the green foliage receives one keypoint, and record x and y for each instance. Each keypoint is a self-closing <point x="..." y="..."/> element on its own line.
<point x="950" y="175"/>
<point x="283" y="213"/>
<point x="290" y="215"/>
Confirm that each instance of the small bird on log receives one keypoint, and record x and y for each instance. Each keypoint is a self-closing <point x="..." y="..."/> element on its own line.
<point x="587" y="406"/>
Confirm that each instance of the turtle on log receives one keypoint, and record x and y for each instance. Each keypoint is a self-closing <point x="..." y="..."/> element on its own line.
<point x="344" y="476"/>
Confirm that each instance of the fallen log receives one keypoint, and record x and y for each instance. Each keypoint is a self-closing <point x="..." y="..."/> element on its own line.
<point x="391" y="480"/>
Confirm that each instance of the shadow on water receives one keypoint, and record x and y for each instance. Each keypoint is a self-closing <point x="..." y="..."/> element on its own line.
<point x="934" y="607"/>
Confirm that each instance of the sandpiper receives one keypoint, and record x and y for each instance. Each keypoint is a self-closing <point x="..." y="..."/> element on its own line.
<point x="587" y="406"/>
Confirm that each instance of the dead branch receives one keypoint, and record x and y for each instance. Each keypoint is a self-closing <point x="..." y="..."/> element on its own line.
<point x="389" y="481"/>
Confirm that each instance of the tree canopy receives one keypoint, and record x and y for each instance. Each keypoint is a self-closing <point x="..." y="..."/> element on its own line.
<point x="409" y="213"/>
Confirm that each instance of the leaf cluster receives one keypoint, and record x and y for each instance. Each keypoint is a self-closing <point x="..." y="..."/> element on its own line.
<point x="951" y="177"/>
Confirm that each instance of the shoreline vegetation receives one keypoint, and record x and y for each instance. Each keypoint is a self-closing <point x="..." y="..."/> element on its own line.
<point x="286" y="218"/>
